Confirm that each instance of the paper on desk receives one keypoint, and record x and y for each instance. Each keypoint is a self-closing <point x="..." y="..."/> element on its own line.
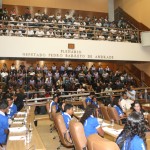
<point x="19" y="119"/>
<point x="18" y="122"/>
<point x="112" y="131"/>
<point x="14" y="138"/>
<point x="17" y="129"/>
<point x="105" y="124"/>
<point x="21" y="113"/>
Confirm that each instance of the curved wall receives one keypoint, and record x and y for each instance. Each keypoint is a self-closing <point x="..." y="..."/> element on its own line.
<point x="86" y="5"/>
<point x="138" y="9"/>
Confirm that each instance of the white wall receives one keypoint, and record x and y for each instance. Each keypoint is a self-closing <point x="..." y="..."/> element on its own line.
<point x="31" y="47"/>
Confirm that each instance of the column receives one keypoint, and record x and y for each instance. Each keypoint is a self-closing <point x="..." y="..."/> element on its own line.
<point x="111" y="10"/>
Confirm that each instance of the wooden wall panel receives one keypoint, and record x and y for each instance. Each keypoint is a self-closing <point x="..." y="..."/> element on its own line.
<point x="86" y="5"/>
<point x="113" y="65"/>
<point x="21" y="9"/>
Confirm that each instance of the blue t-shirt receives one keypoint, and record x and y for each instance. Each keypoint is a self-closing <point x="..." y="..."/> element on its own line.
<point x="95" y="103"/>
<point x="12" y="111"/>
<point x="3" y="125"/>
<point x="91" y="125"/>
<point x="88" y="100"/>
<point x="67" y="119"/>
<point x="136" y="143"/>
<point x="53" y="104"/>
<point x="119" y="111"/>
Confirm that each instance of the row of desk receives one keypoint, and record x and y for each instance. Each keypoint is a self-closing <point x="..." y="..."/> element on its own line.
<point x="20" y="144"/>
<point x="111" y="133"/>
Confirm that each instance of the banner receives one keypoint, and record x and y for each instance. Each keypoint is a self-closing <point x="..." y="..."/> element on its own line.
<point x="32" y="47"/>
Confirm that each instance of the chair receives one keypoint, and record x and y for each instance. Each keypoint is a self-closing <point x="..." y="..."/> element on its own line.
<point x="62" y="131"/>
<point x="114" y="115"/>
<point x="148" y="118"/>
<point x="84" y="104"/>
<point x="78" y="135"/>
<point x="105" y="113"/>
<point x="53" y="110"/>
<point x="95" y="142"/>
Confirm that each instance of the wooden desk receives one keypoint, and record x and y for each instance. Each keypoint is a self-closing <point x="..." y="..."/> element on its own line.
<point x="75" y="103"/>
<point x="113" y="137"/>
<point x="35" y="139"/>
<point x="146" y="107"/>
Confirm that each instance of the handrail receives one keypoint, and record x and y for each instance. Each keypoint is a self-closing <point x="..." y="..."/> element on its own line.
<point x="84" y="94"/>
<point x="92" y="32"/>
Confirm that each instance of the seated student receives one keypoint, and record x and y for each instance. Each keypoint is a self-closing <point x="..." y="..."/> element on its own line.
<point x="89" y="98"/>
<point x="117" y="106"/>
<point x="94" y="101"/>
<point x="12" y="107"/>
<point x="136" y="106"/>
<point x="61" y="107"/>
<point x="90" y="122"/>
<point x="3" y="122"/>
<point x="133" y="135"/>
<point x="126" y="103"/>
<point x="68" y="111"/>
<point x="54" y="103"/>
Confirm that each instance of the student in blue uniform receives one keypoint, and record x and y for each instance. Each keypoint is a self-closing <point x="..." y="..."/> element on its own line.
<point x="94" y="101"/>
<point x="12" y="107"/>
<point x="133" y="135"/>
<point x="61" y="107"/>
<point x="90" y="122"/>
<point x="68" y="112"/>
<point x="89" y="98"/>
<point x="54" y="102"/>
<point x="3" y="122"/>
<point x="117" y="106"/>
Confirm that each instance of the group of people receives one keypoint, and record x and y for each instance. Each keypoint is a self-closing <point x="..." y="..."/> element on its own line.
<point x="132" y="136"/>
<point x="63" y="78"/>
<point x="135" y="127"/>
<point x="66" y="26"/>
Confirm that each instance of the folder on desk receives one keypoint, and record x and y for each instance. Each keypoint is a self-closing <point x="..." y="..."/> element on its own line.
<point x="17" y="129"/>
<point x="16" y="138"/>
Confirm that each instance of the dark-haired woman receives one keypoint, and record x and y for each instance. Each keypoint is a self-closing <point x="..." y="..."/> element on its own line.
<point x="117" y="106"/>
<point x="137" y="107"/>
<point x="133" y="135"/>
<point x="90" y="122"/>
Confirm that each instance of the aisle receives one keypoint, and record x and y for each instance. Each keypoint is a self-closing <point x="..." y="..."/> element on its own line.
<point x="47" y="137"/>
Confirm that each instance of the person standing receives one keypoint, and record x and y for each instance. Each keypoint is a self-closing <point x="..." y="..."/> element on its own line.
<point x="3" y="122"/>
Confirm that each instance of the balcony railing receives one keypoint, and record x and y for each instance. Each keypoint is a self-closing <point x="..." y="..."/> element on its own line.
<point x="68" y="31"/>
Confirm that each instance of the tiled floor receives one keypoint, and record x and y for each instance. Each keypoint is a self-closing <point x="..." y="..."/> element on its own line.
<point x="47" y="137"/>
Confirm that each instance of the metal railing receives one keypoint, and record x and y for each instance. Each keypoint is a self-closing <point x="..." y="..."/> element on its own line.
<point x="68" y="31"/>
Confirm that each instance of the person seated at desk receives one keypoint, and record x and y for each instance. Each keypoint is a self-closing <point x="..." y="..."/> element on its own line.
<point x="136" y="106"/>
<point x="133" y="135"/>
<point x="68" y="112"/>
<point x="54" y="103"/>
<point x="90" y="122"/>
<point x="61" y="107"/>
<point x="94" y="101"/>
<point x="89" y="98"/>
<point x="117" y="106"/>
<point x="3" y="122"/>
<point x="12" y="107"/>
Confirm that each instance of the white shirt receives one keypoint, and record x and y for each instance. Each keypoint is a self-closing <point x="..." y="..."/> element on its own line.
<point x="126" y="104"/>
<point x="2" y="113"/>
<point x="30" y="32"/>
<point x="39" y="33"/>
<point x="4" y="74"/>
<point x="131" y="96"/>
